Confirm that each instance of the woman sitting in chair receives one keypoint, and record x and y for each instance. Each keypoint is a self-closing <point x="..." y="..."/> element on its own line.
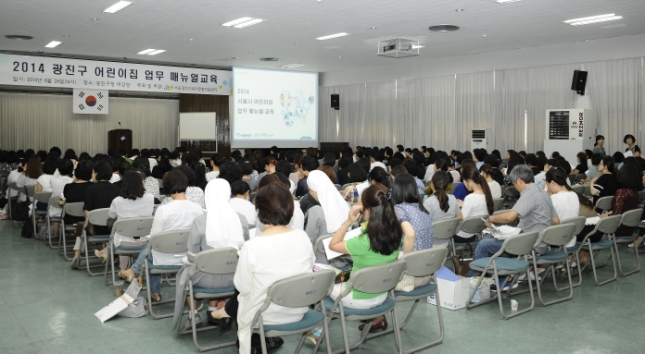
<point x="277" y="253"/>
<point x="220" y="227"/>
<point x="478" y="202"/>
<point x="178" y="215"/>
<point x="379" y="244"/>
<point x="30" y="175"/>
<point x="327" y="217"/>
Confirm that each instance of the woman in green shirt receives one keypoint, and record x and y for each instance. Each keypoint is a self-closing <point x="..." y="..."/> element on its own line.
<point x="379" y="244"/>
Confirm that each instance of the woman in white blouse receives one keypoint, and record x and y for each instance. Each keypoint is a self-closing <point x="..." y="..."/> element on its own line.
<point x="65" y="168"/>
<point x="478" y="202"/>
<point x="277" y="253"/>
<point x="44" y="181"/>
<point x="495" y="189"/>
<point x="29" y="177"/>
<point x="178" y="215"/>
<point x="565" y="200"/>
<point x="134" y="202"/>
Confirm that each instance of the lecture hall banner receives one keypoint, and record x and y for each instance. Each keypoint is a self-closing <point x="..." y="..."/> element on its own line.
<point x="103" y="75"/>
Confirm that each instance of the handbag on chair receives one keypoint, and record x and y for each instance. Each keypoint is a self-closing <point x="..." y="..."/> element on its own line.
<point x="461" y="262"/>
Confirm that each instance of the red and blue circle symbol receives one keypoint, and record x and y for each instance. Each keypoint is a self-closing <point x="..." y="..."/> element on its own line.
<point x="90" y="101"/>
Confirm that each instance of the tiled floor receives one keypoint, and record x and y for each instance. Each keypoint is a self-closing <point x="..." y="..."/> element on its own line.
<point x="45" y="307"/>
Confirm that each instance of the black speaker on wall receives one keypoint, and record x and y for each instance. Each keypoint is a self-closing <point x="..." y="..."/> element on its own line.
<point x="335" y="101"/>
<point x="579" y="81"/>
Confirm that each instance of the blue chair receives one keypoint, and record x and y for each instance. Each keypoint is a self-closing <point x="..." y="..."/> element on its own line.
<point x="304" y="290"/>
<point x="171" y="242"/>
<point x="630" y="218"/>
<point x="220" y="261"/>
<point x="518" y="245"/>
<point x="131" y="227"/>
<point x="421" y="264"/>
<point x="371" y="280"/>
<point x="608" y="227"/>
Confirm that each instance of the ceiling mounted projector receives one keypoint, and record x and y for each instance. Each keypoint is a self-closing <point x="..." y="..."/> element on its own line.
<point x="398" y="48"/>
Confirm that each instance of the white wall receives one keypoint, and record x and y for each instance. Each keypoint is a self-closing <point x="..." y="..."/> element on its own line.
<point x="603" y="49"/>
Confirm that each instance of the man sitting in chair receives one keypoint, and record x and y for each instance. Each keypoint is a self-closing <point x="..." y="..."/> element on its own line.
<point x="534" y="209"/>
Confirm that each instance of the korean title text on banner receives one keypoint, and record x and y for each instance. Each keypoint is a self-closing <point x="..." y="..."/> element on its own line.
<point x="103" y="75"/>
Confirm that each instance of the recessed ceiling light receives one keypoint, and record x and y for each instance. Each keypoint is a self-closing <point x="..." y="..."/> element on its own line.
<point x="66" y="36"/>
<point x="459" y="10"/>
<point x="332" y="36"/>
<point x="269" y="59"/>
<point x="415" y="46"/>
<point x="53" y="44"/>
<point x="17" y="37"/>
<point x="297" y="43"/>
<point x="94" y="19"/>
<point x="243" y="22"/>
<point x="593" y="19"/>
<point x="505" y="1"/>
<point x="291" y="66"/>
<point x="117" y="7"/>
<point x="444" y="28"/>
<point x="159" y="51"/>
<point x="373" y="28"/>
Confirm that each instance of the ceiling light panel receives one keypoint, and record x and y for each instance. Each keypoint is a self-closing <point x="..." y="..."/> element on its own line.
<point x="117" y="7"/>
<point x="151" y="51"/>
<point x="243" y="22"/>
<point x="506" y="1"/>
<point x="593" y="19"/>
<point x="158" y="51"/>
<point x="332" y="36"/>
<point x="53" y="44"/>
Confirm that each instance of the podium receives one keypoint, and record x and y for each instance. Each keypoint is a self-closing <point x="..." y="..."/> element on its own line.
<point x="120" y="139"/>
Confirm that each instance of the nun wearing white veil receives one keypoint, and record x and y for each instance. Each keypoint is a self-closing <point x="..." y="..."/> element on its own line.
<point x="327" y="217"/>
<point x="220" y="227"/>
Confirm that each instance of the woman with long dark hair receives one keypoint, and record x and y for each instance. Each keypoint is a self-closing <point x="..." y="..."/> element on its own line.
<point x="29" y="177"/>
<point x="413" y="216"/>
<point x="478" y="202"/>
<point x="582" y="166"/>
<point x="379" y="244"/>
<point x="440" y="204"/>
<point x="150" y="183"/>
<point x="163" y="166"/>
<point x="565" y="201"/>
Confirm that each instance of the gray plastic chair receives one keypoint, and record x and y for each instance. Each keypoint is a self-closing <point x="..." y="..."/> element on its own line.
<point x="252" y="197"/>
<point x="42" y="197"/>
<point x="52" y="203"/>
<point x="371" y="280"/>
<point x="172" y="242"/>
<point x="220" y="261"/>
<point x="304" y="290"/>
<point x="12" y="186"/>
<point x="630" y="219"/>
<point x="518" y="245"/>
<point x="421" y="264"/>
<point x="71" y="209"/>
<point x="345" y="186"/>
<point x="555" y="236"/>
<point x="499" y="204"/>
<point x="608" y="227"/>
<point x="338" y="186"/>
<point x="604" y="203"/>
<point x="130" y="227"/>
<point x="445" y="229"/>
<point x="96" y="217"/>
<point x="508" y="194"/>
<point x="579" y="188"/>
<point x="472" y="225"/>
<point x="340" y="263"/>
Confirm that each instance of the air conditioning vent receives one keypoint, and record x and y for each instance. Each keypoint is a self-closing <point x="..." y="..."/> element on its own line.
<point x="479" y="134"/>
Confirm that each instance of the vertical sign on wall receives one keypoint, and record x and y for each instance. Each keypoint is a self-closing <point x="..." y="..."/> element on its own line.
<point x="90" y="101"/>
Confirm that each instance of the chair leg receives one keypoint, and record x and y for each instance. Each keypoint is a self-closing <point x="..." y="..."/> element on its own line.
<point x="593" y="267"/>
<point x="344" y="326"/>
<point x="397" y="333"/>
<point x="517" y="313"/>
<point x="620" y="267"/>
<point x="579" y="268"/>
<point x="469" y="304"/>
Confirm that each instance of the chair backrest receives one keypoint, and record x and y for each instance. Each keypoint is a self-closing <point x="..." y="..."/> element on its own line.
<point x="604" y="203"/>
<point x="558" y="235"/>
<point x="641" y="194"/>
<point x="580" y="177"/>
<point x="378" y="279"/>
<point x="609" y="224"/>
<point x="345" y="186"/>
<point x="252" y="197"/>
<point x="520" y="244"/>
<point x="578" y="188"/>
<point x="425" y="262"/>
<point x="302" y="290"/>
<point x="318" y="245"/>
<point x="31" y="190"/>
<point x="133" y="227"/>
<point x="445" y="229"/>
<point x="98" y="217"/>
<point x="218" y="261"/>
<point x="13" y="185"/>
<point x="170" y="241"/>
<point x="161" y="197"/>
<point x="632" y="218"/>
<point x="338" y="186"/>
<point x="473" y="224"/>
<point x="74" y="209"/>
<point x="499" y="203"/>
<point x="53" y="201"/>
<point x="42" y="197"/>
<point x="511" y="191"/>
<point x="579" y="221"/>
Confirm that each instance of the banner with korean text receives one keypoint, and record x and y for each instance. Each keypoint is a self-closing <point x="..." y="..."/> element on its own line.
<point x="103" y="75"/>
<point x="91" y="101"/>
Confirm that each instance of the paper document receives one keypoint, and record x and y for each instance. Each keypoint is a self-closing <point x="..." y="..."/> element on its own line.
<point x="628" y="154"/>
<point x="349" y="235"/>
<point x="504" y="231"/>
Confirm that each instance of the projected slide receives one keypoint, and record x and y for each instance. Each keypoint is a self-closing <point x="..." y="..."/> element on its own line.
<point x="274" y="108"/>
